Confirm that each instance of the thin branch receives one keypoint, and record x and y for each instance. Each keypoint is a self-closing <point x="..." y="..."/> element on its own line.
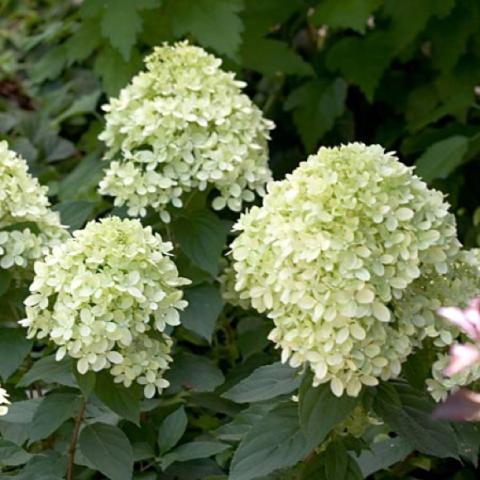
<point x="73" y="442"/>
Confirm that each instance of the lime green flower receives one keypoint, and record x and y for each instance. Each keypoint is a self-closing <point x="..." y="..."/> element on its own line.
<point x="331" y="250"/>
<point x="105" y="298"/>
<point x="4" y="402"/>
<point x="28" y="228"/>
<point x="182" y="125"/>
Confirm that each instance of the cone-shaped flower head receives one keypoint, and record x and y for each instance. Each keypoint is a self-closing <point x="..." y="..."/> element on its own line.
<point x="329" y="251"/>
<point x="4" y="402"/>
<point x="28" y="227"/>
<point x="184" y="124"/>
<point x="105" y="297"/>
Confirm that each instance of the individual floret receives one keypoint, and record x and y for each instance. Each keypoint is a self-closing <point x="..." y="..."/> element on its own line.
<point x="331" y="249"/>
<point x="183" y="125"/>
<point x="103" y="295"/>
<point x="28" y="227"/>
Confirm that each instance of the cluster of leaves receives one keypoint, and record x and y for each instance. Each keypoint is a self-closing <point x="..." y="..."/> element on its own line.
<point x="399" y="73"/>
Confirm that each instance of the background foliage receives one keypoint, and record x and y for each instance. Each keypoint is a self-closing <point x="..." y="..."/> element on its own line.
<point x="403" y="73"/>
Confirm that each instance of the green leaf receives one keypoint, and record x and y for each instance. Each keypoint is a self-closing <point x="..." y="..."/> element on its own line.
<point x="320" y="410"/>
<point x="383" y="455"/>
<point x="269" y="57"/>
<point x="243" y="422"/>
<point x="83" y="105"/>
<point x="265" y="383"/>
<point x="172" y="429"/>
<point x="442" y="158"/>
<point x="85" y="382"/>
<point x="316" y="105"/>
<point x="362" y="60"/>
<point x="5" y="280"/>
<point x="123" y="401"/>
<point x="339" y="465"/>
<point x="22" y="412"/>
<point x="346" y="14"/>
<point x="201" y="236"/>
<point x="14" y="347"/>
<point x="274" y="442"/>
<point x="194" y="372"/>
<point x="52" y="412"/>
<point x="114" y="71"/>
<point x="109" y="449"/>
<point x="214" y="23"/>
<point x="204" y="306"/>
<point x="12" y="455"/>
<point x="50" y="371"/>
<point x="45" y="466"/>
<point x="193" y="451"/>
<point x="408" y="412"/>
<point x="83" y="42"/>
<point x="75" y="213"/>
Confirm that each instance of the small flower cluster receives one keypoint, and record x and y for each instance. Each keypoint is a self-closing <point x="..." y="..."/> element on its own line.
<point x="331" y="251"/>
<point x="105" y="298"/>
<point x="4" y="402"/>
<point x="28" y="228"/>
<point x="184" y="124"/>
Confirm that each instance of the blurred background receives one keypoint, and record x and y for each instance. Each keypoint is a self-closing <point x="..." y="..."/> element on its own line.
<point x="402" y="73"/>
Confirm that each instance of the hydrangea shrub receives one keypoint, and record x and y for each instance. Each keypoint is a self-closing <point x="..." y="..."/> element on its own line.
<point x="105" y="297"/>
<point x="184" y="124"/>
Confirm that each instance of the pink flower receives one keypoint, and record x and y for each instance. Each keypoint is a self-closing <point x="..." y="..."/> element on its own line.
<point x="463" y="405"/>
<point x="462" y="356"/>
<point x="467" y="320"/>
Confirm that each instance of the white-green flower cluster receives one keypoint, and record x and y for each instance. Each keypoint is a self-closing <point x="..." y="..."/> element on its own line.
<point x="28" y="227"/>
<point x="184" y="124"/>
<point x="105" y="298"/>
<point x="331" y="250"/>
<point x="4" y="402"/>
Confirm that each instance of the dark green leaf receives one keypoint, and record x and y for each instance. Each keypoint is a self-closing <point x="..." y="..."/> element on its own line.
<point x="12" y="455"/>
<point x="265" y="383"/>
<point x="51" y="413"/>
<point x="362" y="60"/>
<point x="50" y="371"/>
<point x="320" y="410"/>
<point x="316" y="105"/>
<point x="201" y="236"/>
<point x="5" y="279"/>
<point x="193" y="451"/>
<point x="22" y="412"/>
<point x="14" y="347"/>
<point x="442" y="158"/>
<point x="172" y="429"/>
<point x="408" y="412"/>
<point x="85" y="382"/>
<point x="204" y="306"/>
<point x="383" y="455"/>
<point x="214" y="23"/>
<point x="109" y="449"/>
<point x="74" y="214"/>
<point x="123" y="401"/>
<point x="346" y="14"/>
<point x="339" y="465"/>
<point x="269" y="57"/>
<point x="274" y="442"/>
<point x="194" y="372"/>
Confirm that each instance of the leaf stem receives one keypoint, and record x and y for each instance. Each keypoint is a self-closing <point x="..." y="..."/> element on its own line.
<point x="73" y="442"/>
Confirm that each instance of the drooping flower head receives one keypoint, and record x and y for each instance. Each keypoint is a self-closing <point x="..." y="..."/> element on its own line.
<point x="184" y="124"/>
<point x="4" y="402"/>
<point x="329" y="251"/>
<point x="28" y="227"/>
<point x="105" y="297"/>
